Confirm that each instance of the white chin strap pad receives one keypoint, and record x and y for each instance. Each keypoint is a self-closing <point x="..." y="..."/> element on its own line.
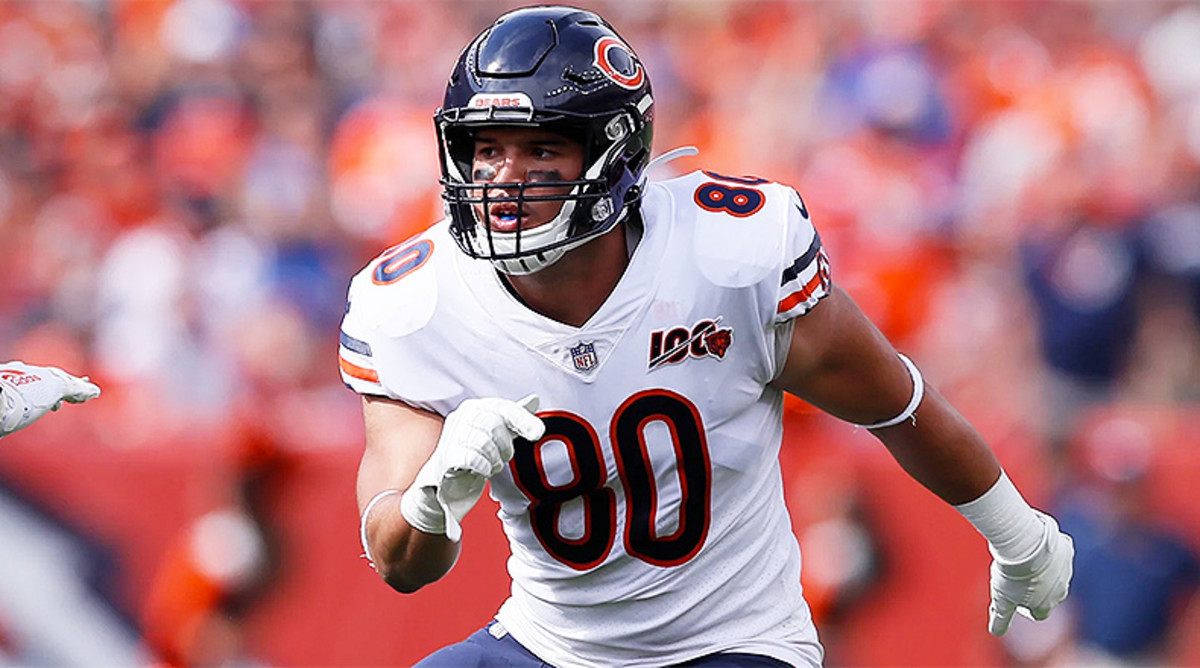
<point x="536" y="262"/>
<point x="529" y="264"/>
<point x="505" y="243"/>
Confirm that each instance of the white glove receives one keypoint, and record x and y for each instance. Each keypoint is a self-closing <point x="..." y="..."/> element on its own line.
<point x="1034" y="585"/>
<point x="476" y="443"/>
<point x="29" y="392"/>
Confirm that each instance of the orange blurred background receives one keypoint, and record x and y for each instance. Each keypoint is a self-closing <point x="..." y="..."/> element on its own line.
<point x="1011" y="190"/>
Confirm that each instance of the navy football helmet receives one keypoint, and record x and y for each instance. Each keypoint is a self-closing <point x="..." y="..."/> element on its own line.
<point x="561" y="69"/>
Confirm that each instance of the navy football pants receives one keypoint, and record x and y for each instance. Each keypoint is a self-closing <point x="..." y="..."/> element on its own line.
<point x="483" y="650"/>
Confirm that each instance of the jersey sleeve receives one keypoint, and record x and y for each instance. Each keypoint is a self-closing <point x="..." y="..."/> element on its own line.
<point x="384" y="346"/>
<point x="356" y="357"/>
<point x="804" y="278"/>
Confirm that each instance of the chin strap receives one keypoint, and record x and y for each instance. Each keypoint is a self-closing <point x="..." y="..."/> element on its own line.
<point x="673" y="154"/>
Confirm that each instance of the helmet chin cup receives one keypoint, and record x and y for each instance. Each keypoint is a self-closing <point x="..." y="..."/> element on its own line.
<point x="535" y="262"/>
<point x="505" y="250"/>
<point x="529" y="264"/>
<point x="553" y="237"/>
<point x="567" y="71"/>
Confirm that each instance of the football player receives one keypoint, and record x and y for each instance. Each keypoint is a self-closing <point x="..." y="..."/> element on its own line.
<point x="29" y="392"/>
<point x="611" y="355"/>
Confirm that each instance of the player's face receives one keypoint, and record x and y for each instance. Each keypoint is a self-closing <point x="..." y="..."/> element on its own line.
<point x="529" y="155"/>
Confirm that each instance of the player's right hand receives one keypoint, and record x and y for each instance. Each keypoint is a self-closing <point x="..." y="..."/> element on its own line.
<point x="30" y="392"/>
<point x="1034" y="585"/>
<point x="476" y="443"/>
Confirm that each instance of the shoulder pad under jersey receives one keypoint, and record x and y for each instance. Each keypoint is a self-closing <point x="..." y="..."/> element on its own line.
<point x="739" y="225"/>
<point x="397" y="292"/>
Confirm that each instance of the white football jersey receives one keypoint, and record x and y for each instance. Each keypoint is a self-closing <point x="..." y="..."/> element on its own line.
<point x="648" y="527"/>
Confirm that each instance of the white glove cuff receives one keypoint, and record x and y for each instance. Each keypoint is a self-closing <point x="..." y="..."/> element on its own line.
<point x="1013" y="529"/>
<point x="420" y="508"/>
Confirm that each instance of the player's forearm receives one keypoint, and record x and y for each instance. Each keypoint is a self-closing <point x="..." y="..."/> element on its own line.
<point x="407" y="559"/>
<point x="942" y="451"/>
<point x="1031" y="558"/>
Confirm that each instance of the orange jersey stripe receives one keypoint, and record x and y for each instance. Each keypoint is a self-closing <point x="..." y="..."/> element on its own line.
<point x="357" y="371"/>
<point x="789" y="302"/>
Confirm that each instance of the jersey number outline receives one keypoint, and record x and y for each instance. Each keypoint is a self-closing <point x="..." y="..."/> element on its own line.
<point x="739" y="201"/>
<point x="401" y="260"/>
<point x="627" y="434"/>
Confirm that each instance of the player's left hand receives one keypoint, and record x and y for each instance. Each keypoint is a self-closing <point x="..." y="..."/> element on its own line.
<point x="1034" y="585"/>
<point x="32" y="391"/>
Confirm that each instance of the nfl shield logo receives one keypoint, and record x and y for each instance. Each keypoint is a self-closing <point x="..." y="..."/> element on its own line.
<point x="584" y="356"/>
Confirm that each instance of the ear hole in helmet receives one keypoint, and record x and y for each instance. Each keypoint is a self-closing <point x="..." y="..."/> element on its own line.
<point x="618" y="128"/>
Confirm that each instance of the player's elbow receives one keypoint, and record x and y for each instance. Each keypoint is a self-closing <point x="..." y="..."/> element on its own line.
<point x="408" y="559"/>
<point x="408" y="577"/>
<point x="402" y="582"/>
<point x="406" y="580"/>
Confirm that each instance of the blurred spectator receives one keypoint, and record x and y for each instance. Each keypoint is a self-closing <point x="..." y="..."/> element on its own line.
<point x="221" y="564"/>
<point x="1081" y="267"/>
<point x="1167" y="370"/>
<point x="842" y="558"/>
<point x="1135" y="576"/>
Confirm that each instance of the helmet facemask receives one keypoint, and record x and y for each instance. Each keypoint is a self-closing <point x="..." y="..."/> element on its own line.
<point x="588" y="209"/>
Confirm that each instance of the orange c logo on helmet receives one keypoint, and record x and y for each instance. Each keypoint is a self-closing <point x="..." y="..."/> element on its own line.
<point x="632" y="80"/>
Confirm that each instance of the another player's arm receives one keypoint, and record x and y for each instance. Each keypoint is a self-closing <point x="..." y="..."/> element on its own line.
<point x="28" y="392"/>
<point x="399" y="440"/>
<point x="841" y="363"/>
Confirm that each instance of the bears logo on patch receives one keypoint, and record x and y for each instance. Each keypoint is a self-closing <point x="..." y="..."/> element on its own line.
<point x="618" y="62"/>
<point x="717" y="342"/>
<point x="704" y="339"/>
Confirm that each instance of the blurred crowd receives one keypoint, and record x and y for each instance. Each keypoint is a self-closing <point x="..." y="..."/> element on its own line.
<point x="1011" y="190"/>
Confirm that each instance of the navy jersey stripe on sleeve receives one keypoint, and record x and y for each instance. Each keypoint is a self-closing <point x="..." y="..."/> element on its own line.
<point x="792" y="272"/>
<point x="356" y="345"/>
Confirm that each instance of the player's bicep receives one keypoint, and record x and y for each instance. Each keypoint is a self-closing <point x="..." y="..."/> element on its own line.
<point x="399" y="439"/>
<point x="840" y="362"/>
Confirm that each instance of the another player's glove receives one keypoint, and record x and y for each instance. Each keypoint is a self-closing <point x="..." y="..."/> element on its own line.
<point x="476" y="443"/>
<point x="28" y="392"/>
<point x="1034" y="585"/>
